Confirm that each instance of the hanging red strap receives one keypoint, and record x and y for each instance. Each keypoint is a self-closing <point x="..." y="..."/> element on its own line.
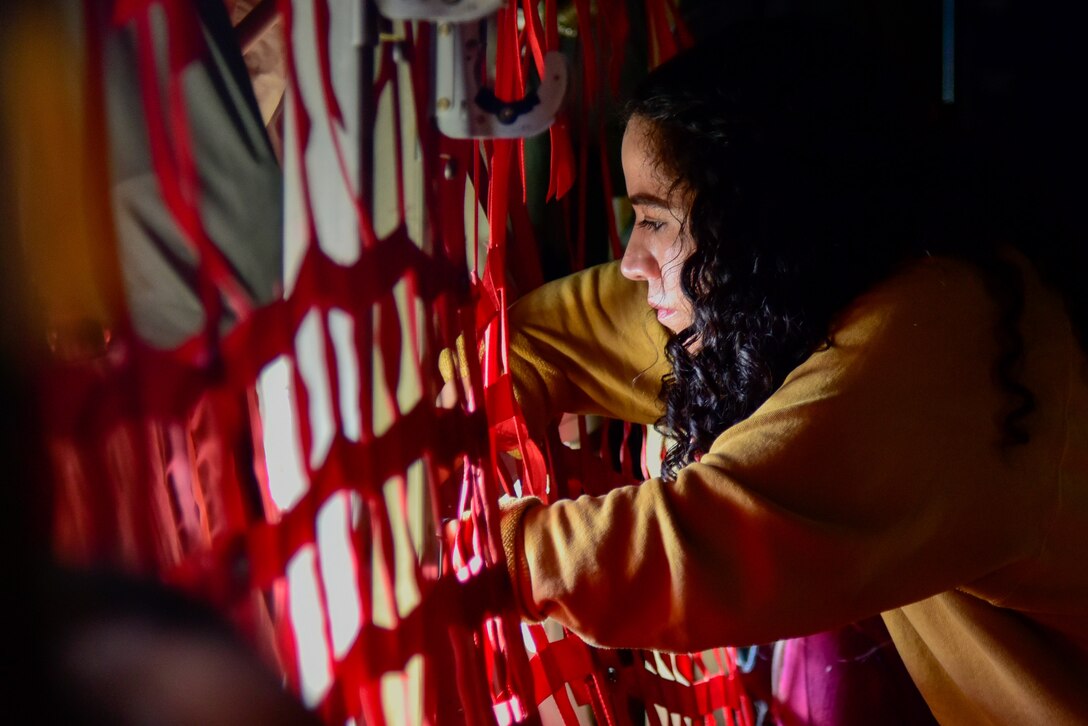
<point x="662" y="44"/>
<point x="683" y="34"/>
<point x="617" y="29"/>
<point x="606" y="189"/>
<point x="667" y="36"/>
<point x="534" y="30"/>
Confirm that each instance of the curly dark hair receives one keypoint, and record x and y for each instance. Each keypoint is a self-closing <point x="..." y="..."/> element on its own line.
<point x="813" y="173"/>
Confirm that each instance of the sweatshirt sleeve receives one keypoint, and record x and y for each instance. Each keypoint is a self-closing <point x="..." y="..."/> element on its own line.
<point x="588" y="343"/>
<point x="872" y="478"/>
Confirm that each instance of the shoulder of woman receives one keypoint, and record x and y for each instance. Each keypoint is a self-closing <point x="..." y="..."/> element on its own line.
<point x="924" y="292"/>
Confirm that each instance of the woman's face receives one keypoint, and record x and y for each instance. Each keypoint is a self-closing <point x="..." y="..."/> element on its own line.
<point x="659" y="242"/>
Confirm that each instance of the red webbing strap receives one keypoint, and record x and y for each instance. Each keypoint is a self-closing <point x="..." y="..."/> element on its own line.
<point x="498" y="390"/>
<point x="625" y="440"/>
<point x="286" y="643"/>
<point x="534" y="33"/>
<point x="561" y="167"/>
<point x="320" y="588"/>
<point x="617" y="29"/>
<point x="524" y="267"/>
<point x="683" y="34"/>
<point x="360" y="467"/>
<point x="662" y="44"/>
<point x="549" y="676"/>
<point x="459" y="160"/>
<point x="449" y="606"/>
<point x="607" y="192"/>
<point x="561" y="178"/>
<point x="478" y="177"/>
<point x="561" y="162"/>
<point x="229" y="424"/>
<point x="591" y="74"/>
<point x="722" y="693"/>
<point x="509" y="77"/>
<point x="602" y="706"/>
<point x="558" y="663"/>
<point x="667" y="38"/>
<point x="594" y="474"/>
<point x="589" y="96"/>
<point x="192" y="525"/>
<point x="643" y="458"/>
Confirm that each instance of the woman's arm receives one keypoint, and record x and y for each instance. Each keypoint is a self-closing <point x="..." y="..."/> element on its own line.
<point x="871" y="479"/>
<point x="588" y="343"/>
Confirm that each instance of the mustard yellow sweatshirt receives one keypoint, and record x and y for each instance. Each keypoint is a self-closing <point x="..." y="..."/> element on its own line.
<point x="871" y="482"/>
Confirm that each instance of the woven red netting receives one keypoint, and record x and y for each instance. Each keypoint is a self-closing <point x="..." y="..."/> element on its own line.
<point x="288" y="461"/>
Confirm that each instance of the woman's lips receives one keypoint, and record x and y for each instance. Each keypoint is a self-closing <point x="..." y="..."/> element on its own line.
<point x="664" y="313"/>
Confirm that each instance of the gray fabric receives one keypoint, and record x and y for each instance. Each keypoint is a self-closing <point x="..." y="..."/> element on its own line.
<point x="240" y="183"/>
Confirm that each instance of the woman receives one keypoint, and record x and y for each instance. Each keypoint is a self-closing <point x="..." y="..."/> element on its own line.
<point x="878" y="406"/>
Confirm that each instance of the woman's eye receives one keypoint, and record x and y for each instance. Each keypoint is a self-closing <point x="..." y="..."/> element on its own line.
<point x="651" y="224"/>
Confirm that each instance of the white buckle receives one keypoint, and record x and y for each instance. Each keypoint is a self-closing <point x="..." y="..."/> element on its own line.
<point x="466" y="110"/>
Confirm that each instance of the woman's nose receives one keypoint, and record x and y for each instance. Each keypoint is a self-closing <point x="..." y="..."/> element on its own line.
<point x="638" y="263"/>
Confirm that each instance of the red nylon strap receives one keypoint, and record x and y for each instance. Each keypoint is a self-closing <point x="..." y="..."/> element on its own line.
<point x="362" y="467"/>
<point x="720" y="693"/>
<point x="606" y="185"/>
<point x="478" y="177"/>
<point x="449" y="604"/>
<point x="552" y="679"/>
<point x="683" y="34"/>
<point x="557" y="664"/>
<point x="561" y="178"/>
<point x="590" y="75"/>
<point x="617" y="30"/>
<point x="459" y="160"/>
<point x="507" y="55"/>
<point x="525" y="266"/>
<point x="561" y="174"/>
<point x="534" y="31"/>
<point x="589" y="94"/>
<point x="495" y="387"/>
<point x="663" y="45"/>
<point x="665" y="41"/>
<point x="285" y="637"/>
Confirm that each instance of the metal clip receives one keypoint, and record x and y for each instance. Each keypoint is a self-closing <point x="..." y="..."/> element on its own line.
<point x="466" y="110"/>
<point x="458" y="11"/>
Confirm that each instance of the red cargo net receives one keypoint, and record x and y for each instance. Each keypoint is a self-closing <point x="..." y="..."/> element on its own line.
<point x="160" y="454"/>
